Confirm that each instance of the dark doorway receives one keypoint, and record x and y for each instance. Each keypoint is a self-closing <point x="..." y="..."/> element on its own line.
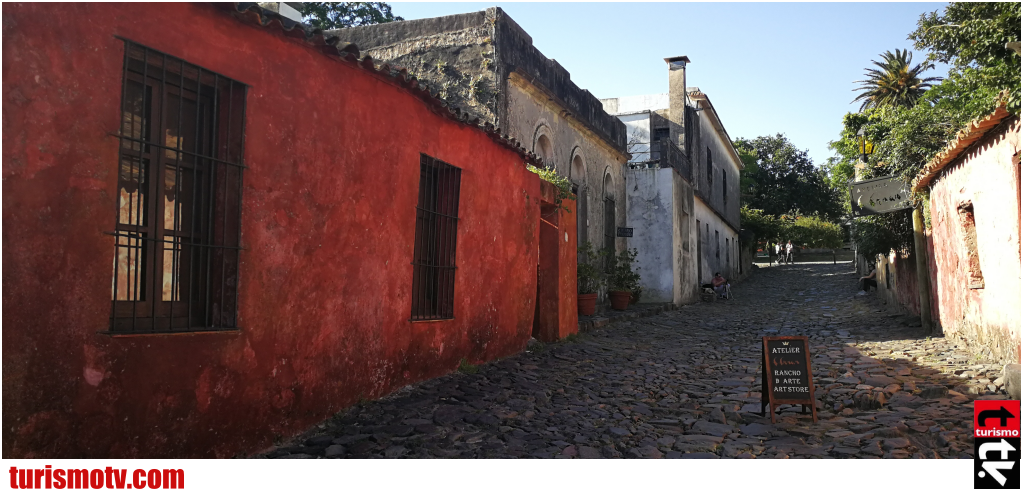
<point x="545" y="317"/>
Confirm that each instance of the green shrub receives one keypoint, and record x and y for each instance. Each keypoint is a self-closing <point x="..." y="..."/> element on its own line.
<point x="622" y="277"/>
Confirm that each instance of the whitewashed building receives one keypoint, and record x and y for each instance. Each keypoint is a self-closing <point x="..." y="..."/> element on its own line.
<point x="682" y="189"/>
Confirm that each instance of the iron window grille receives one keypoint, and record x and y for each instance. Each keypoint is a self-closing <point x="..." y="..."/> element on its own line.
<point x="178" y="218"/>
<point x="433" y="260"/>
<point x="724" y="190"/>
<point x="710" y="171"/>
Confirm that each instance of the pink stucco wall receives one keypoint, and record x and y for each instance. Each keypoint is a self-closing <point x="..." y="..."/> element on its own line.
<point x="988" y="176"/>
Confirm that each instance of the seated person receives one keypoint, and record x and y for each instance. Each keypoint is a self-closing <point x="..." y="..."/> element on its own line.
<point x="868" y="281"/>
<point x="720" y="285"/>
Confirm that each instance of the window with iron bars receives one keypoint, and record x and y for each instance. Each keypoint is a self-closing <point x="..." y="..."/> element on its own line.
<point x="433" y="259"/>
<point x="178" y="217"/>
<point x="710" y="171"/>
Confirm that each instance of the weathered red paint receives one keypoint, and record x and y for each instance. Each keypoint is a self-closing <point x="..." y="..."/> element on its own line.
<point x="328" y="227"/>
<point x="556" y="272"/>
<point x="986" y="175"/>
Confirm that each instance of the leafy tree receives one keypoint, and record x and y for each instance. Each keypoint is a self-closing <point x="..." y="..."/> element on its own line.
<point x="761" y="226"/>
<point x="971" y="37"/>
<point x="784" y="179"/>
<point x="895" y="81"/>
<point x="814" y="232"/>
<point x="880" y="234"/>
<point x="335" y="15"/>
<point x="750" y="173"/>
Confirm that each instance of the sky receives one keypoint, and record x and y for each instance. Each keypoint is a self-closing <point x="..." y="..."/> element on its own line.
<point x="768" y="68"/>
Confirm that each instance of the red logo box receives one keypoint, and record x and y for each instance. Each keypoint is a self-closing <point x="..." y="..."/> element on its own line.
<point x="994" y="419"/>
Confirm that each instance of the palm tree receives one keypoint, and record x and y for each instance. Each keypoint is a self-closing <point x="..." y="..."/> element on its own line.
<point x="895" y="82"/>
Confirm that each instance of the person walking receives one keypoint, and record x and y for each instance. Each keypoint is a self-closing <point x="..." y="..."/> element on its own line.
<point x="778" y="255"/>
<point x="788" y="252"/>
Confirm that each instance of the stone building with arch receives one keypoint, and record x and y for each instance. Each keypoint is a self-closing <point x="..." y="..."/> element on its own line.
<point x="484" y="63"/>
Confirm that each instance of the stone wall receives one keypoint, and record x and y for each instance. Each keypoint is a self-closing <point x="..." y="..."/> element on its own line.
<point x="452" y="55"/>
<point x="530" y="115"/>
<point x="486" y="64"/>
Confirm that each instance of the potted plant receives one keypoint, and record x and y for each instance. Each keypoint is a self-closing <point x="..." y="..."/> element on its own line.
<point x="589" y="277"/>
<point x="622" y="279"/>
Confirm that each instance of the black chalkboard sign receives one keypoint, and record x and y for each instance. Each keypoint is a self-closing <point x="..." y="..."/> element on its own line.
<point x="786" y="375"/>
<point x="625" y="232"/>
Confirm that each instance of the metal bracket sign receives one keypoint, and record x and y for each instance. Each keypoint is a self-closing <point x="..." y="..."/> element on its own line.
<point x="786" y="376"/>
<point x="878" y="196"/>
<point x="625" y="232"/>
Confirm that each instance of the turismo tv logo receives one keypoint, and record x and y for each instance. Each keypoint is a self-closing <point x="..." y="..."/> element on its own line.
<point x="996" y="444"/>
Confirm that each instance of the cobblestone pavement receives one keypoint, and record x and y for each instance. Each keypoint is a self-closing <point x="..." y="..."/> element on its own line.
<point x="685" y="384"/>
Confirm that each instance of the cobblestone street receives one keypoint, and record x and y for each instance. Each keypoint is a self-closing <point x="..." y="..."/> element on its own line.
<point x="686" y="384"/>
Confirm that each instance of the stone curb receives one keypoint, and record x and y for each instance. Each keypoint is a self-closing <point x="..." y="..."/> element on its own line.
<point x="598" y="322"/>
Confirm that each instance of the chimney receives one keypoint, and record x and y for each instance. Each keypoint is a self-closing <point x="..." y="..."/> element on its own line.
<point x="287" y="10"/>
<point x="677" y="99"/>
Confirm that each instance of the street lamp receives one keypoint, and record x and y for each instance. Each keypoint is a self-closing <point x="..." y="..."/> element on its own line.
<point x="866" y="147"/>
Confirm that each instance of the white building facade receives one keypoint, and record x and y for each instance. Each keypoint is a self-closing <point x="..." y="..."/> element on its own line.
<point x="682" y="189"/>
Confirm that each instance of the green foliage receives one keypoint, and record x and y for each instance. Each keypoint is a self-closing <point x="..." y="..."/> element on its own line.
<point x="750" y="173"/>
<point x="814" y="232"/>
<point x="804" y="230"/>
<point x="764" y="227"/>
<point x="335" y="15"/>
<point x="907" y="139"/>
<point x="971" y="37"/>
<point x="589" y="270"/>
<point x="550" y="174"/>
<point x="465" y="366"/>
<point x="880" y="234"/>
<point x="622" y="277"/>
<point x="895" y="81"/>
<point x="784" y="178"/>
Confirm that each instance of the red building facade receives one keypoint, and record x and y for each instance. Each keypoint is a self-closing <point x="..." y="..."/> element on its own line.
<point x="315" y="230"/>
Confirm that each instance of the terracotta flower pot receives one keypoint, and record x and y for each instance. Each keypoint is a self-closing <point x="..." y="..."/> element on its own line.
<point x="587" y="304"/>
<point x="620" y="300"/>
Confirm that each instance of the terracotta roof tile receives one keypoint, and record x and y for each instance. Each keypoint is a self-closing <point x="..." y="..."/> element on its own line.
<point x="963" y="140"/>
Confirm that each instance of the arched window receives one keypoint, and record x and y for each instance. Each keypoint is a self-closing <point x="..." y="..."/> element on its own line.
<point x="578" y="176"/>
<point x="545" y="150"/>
<point x="609" y="217"/>
<point x="578" y="171"/>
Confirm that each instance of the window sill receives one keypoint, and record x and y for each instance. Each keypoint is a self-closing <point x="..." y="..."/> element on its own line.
<point x="178" y="333"/>
<point x="438" y="320"/>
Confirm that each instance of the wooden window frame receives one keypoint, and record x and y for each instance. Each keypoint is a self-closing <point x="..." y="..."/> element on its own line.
<point x="188" y="178"/>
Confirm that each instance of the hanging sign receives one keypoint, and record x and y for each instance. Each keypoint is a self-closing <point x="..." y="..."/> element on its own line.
<point x="625" y="232"/>
<point x="878" y="196"/>
<point x="786" y="377"/>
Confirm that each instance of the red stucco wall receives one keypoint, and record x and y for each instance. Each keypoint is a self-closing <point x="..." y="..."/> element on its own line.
<point x="568" y="307"/>
<point x="328" y="227"/>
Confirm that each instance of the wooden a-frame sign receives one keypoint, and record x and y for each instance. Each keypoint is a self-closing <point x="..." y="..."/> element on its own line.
<point x="786" y="375"/>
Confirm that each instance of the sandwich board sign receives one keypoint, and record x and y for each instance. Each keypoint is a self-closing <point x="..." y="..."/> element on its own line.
<point x="786" y="377"/>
